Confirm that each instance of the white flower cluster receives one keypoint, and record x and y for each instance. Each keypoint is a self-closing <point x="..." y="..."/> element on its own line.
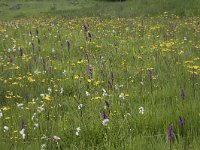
<point x="22" y="132"/>
<point x="105" y="122"/>
<point x="77" y="131"/>
<point x="141" y="110"/>
<point x="56" y="139"/>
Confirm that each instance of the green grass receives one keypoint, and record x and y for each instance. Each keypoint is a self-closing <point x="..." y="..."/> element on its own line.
<point x="167" y="44"/>
<point x="38" y="8"/>
<point x="71" y="8"/>
<point x="143" y="53"/>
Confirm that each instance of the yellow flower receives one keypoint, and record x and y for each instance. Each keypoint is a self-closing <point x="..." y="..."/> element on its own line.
<point x="2" y="30"/>
<point x="8" y="97"/>
<point x="47" y="98"/>
<point x="97" y="97"/>
<point x="19" y="78"/>
<point x="154" y="77"/>
<point x="17" y="67"/>
<point x="197" y="58"/>
<point x="150" y="68"/>
<point x="17" y="96"/>
<point x="76" y="77"/>
<point x="7" y="118"/>
<point x="30" y="79"/>
<point x="196" y="67"/>
<point x="89" y="80"/>
<point x="126" y="94"/>
<point x="189" y="62"/>
<point x="31" y="103"/>
<point x="181" y="52"/>
<point x="97" y="83"/>
<point x="82" y="62"/>
<point x="98" y="46"/>
<point x="5" y="108"/>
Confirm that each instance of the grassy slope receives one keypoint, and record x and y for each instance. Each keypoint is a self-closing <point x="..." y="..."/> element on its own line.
<point x="72" y="8"/>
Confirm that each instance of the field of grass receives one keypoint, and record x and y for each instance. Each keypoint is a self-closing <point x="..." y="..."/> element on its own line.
<point x="14" y="9"/>
<point x="100" y="80"/>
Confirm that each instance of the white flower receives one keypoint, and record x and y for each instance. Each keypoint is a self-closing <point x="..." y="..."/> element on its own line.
<point x="20" y="105"/>
<point x="53" y="50"/>
<point x="50" y="90"/>
<point x="42" y="95"/>
<point x="126" y="115"/>
<point x="87" y="93"/>
<point x="40" y="109"/>
<point x="36" y="125"/>
<point x="80" y="106"/>
<point x="102" y="58"/>
<point x="22" y="132"/>
<point x="14" y="48"/>
<point x="5" y="128"/>
<point x="56" y="138"/>
<point x="141" y="110"/>
<point x="1" y="113"/>
<point x="121" y="85"/>
<point x="142" y="83"/>
<point x="43" y="137"/>
<point x="77" y="131"/>
<point x="43" y="146"/>
<point x="118" y="86"/>
<point x="61" y="90"/>
<point x="64" y="72"/>
<point x="185" y="38"/>
<point x="34" y="115"/>
<point x="36" y="72"/>
<point x="105" y="122"/>
<point x="104" y="93"/>
<point x="122" y="96"/>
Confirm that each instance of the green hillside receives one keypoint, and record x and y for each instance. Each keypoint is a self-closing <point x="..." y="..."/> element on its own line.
<point x="20" y="8"/>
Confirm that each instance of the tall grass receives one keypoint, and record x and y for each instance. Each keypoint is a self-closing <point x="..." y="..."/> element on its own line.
<point x="123" y="81"/>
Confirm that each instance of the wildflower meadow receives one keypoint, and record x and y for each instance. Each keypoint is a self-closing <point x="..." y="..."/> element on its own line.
<point x="100" y="83"/>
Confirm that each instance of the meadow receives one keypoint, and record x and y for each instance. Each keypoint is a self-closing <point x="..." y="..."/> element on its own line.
<point x="100" y="82"/>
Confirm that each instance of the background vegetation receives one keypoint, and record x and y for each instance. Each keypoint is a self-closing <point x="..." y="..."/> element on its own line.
<point x="100" y="75"/>
<point x="73" y="8"/>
